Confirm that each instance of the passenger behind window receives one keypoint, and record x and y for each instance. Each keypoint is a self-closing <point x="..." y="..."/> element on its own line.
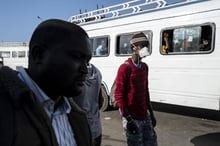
<point x="187" y="45"/>
<point x="101" y="49"/>
<point x="205" y="45"/>
<point x="165" y="43"/>
<point x="125" y="49"/>
<point x="177" y="45"/>
<point x="206" y="37"/>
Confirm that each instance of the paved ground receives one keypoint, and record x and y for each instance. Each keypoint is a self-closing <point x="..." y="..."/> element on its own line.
<point x="187" y="127"/>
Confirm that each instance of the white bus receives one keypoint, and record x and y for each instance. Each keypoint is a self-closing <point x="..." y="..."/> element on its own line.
<point x="184" y="63"/>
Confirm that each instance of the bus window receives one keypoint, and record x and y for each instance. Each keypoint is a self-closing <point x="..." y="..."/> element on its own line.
<point x="187" y="40"/>
<point x="5" y="54"/>
<point x="123" y="47"/>
<point x="100" y="46"/>
<point x="21" y="54"/>
<point x="14" y="54"/>
<point x="123" y="43"/>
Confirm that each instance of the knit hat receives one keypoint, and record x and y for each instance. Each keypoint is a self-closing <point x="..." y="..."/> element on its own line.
<point x="139" y="37"/>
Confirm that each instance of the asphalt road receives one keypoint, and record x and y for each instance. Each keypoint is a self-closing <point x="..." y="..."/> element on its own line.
<point x="176" y="126"/>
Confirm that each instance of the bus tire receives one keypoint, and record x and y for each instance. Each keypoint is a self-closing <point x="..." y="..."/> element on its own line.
<point x="103" y="99"/>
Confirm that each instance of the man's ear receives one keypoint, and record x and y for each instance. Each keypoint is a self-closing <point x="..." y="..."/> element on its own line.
<point x="37" y="54"/>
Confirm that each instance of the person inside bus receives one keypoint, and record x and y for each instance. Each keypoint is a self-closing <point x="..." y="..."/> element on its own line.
<point x="35" y="107"/>
<point x="89" y="101"/>
<point x="205" y="41"/>
<point x="125" y="49"/>
<point x="204" y="46"/>
<point x="188" y="44"/>
<point x="165" y="43"/>
<point x="101" y="49"/>
<point x="133" y="98"/>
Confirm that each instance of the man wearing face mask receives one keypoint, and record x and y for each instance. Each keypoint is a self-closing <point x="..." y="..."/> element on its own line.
<point x="132" y="96"/>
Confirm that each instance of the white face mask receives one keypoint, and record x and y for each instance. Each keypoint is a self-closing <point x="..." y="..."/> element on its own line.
<point x="143" y="52"/>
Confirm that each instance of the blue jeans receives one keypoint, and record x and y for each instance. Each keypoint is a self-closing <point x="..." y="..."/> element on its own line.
<point x="146" y="136"/>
